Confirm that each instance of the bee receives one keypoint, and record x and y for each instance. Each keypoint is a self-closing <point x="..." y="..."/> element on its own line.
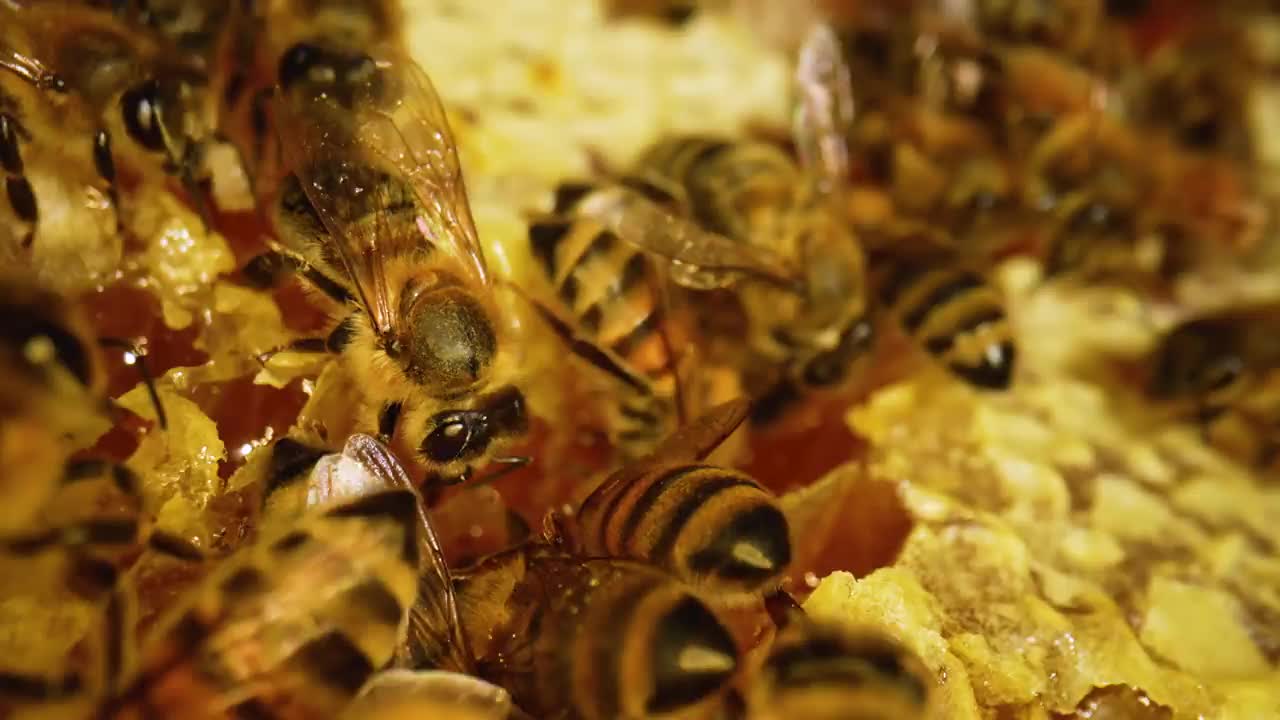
<point x="542" y="623"/>
<point x="101" y="79"/>
<point x="52" y="397"/>
<point x="1223" y="370"/>
<point x="591" y="638"/>
<point x="712" y="527"/>
<point x="365" y="466"/>
<point x="711" y="214"/>
<point x="374" y="215"/>
<point x="819" y="670"/>
<point x="292" y="626"/>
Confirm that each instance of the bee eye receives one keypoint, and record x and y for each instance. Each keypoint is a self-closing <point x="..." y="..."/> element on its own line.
<point x="141" y="108"/>
<point x="447" y="442"/>
<point x="297" y="63"/>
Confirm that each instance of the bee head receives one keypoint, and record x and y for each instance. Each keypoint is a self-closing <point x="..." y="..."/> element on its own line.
<point x="156" y="115"/>
<point x="829" y="368"/>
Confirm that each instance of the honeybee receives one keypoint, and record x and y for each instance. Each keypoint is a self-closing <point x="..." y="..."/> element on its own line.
<point x="711" y="214"/>
<point x="52" y="397"/>
<point x="102" y="80"/>
<point x="365" y="466"/>
<point x="291" y="626"/>
<point x="819" y="670"/>
<point x="591" y="638"/>
<point x="712" y="527"/>
<point x="1223" y="370"/>
<point x="374" y="216"/>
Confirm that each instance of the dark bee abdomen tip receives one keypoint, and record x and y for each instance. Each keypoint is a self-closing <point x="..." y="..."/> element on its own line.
<point x="693" y="656"/>
<point x="994" y="371"/>
<point x="752" y="549"/>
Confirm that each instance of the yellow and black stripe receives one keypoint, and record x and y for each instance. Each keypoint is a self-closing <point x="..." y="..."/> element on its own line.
<point x="608" y="639"/>
<point x="820" y="671"/>
<point x="956" y="315"/>
<point x="712" y="527"/>
<point x="610" y="290"/>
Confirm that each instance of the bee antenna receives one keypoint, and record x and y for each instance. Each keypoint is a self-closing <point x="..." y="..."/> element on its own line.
<point x="131" y="349"/>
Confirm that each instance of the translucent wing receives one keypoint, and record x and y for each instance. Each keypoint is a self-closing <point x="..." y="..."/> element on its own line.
<point x="352" y="199"/>
<point x="429" y="693"/>
<point x="435" y="630"/>
<point x="409" y="131"/>
<point x="824" y="111"/>
<point x="693" y="442"/>
<point x="698" y="259"/>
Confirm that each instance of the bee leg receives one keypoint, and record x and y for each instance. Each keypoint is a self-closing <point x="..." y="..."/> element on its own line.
<point x="782" y="608"/>
<point x="388" y="420"/>
<point x="106" y="167"/>
<point x="311" y="345"/>
<point x="21" y="197"/>
<point x="133" y="355"/>
<point x="198" y="189"/>
<point x="269" y="270"/>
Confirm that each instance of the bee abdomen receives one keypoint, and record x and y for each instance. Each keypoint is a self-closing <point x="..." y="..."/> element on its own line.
<point x="957" y="316"/>
<point x="629" y="640"/>
<point x="707" y="525"/>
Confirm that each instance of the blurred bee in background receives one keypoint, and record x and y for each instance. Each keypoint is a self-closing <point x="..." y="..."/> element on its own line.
<point x="1223" y="371"/>
<point x="823" y="671"/>
<point x="302" y="479"/>
<point x="112" y="82"/>
<point x="591" y="638"/>
<point x="374" y="216"/>
<point x="712" y="527"/>
<point x="717" y="214"/>
<point x="52" y="397"/>
<point x="291" y="626"/>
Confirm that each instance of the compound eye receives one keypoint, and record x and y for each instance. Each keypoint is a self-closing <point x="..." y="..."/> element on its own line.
<point x="141" y="107"/>
<point x="447" y="442"/>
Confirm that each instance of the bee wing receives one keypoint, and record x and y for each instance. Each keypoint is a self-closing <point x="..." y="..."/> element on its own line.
<point x="413" y="136"/>
<point x="335" y="177"/>
<point x="825" y="108"/>
<point x="429" y="693"/>
<point x="694" y="441"/>
<point x="704" y="433"/>
<point x="434" y="625"/>
<point x="699" y="259"/>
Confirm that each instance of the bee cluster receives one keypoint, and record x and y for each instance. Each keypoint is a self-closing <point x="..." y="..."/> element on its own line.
<point x="294" y="427"/>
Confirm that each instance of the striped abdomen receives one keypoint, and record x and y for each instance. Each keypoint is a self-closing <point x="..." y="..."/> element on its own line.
<point x="824" y="671"/>
<point x="713" y="527"/>
<point x="742" y="190"/>
<point x="604" y="639"/>
<point x="611" y="292"/>
<point x="956" y="315"/>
